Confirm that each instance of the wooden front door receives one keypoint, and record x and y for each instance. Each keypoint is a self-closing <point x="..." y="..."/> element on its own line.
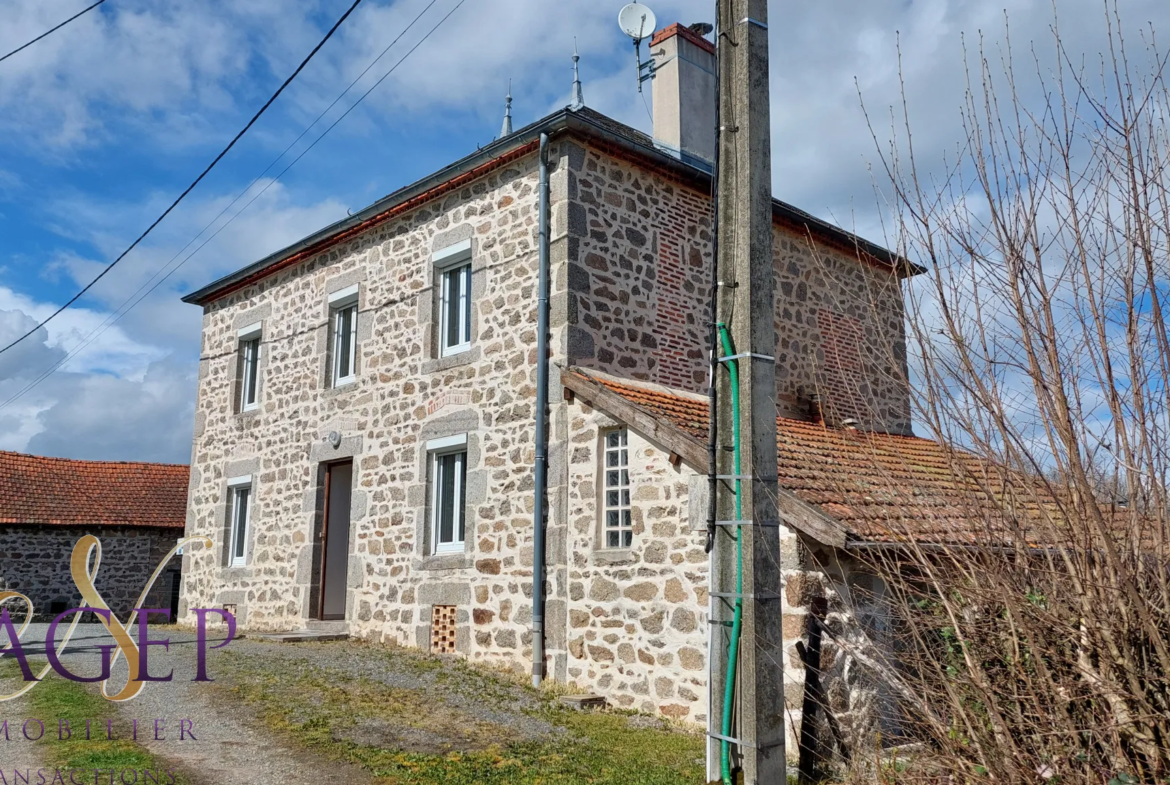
<point x="335" y="540"/>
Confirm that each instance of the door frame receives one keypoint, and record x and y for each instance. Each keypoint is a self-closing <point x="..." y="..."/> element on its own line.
<point x="324" y="539"/>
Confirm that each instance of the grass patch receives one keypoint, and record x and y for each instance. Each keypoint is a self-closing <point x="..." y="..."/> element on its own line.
<point x="414" y="736"/>
<point x="57" y="698"/>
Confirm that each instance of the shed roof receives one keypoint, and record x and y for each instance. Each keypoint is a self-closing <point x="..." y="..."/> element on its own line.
<point x="881" y="487"/>
<point x="65" y="492"/>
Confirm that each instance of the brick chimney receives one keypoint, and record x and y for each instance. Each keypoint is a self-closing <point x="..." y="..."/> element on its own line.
<point x="684" y="94"/>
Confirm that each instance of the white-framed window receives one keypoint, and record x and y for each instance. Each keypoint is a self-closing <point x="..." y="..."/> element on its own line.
<point x="249" y="369"/>
<point x="453" y="271"/>
<point x="343" y="311"/>
<point x="240" y="498"/>
<point x="448" y="468"/>
<point x="617" y="527"/>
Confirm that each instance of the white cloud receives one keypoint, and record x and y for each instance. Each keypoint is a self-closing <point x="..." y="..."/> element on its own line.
<point x="182" y="72"/>
<point x="130" y="393"/>
<point x="120" y="399"/>
<point x="271" y="222"/>
<point x="114" y="352"/>
<point x="111" y="418"/>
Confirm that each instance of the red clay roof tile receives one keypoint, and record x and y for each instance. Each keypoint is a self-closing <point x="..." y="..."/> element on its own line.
<point x="883" y="487"/>
<point x="59" y="491"/>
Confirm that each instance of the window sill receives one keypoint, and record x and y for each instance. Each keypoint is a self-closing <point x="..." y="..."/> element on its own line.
<point x="237" y="573"/>
<point x="611" y="556"/>
<point x="451" y="361"/>
<point x="446" y="561"/>
<point x="247" y="414"/>
<point x="340" y="389"/>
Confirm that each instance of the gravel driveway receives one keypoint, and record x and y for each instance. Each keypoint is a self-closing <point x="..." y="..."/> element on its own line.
<point x="230" y="746"/>
<point x="332" y="712"/>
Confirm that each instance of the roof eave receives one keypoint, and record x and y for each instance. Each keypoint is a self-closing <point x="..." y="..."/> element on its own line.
<point x="553" y="125"/>
<point x="525" y="136"/>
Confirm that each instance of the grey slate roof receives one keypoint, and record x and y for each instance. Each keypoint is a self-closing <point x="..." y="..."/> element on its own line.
<point x="584" y="122"/>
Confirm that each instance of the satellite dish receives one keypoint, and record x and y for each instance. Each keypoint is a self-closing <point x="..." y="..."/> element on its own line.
<point x="637" y="21"/>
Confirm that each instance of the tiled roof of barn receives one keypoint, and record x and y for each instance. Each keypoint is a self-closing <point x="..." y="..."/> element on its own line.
<point x="64" y="492"/>
<point x="882" y="487"/>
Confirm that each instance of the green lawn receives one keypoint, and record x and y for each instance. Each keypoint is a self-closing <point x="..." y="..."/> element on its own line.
<point x="430" y="740"/>
<point x="57" y="698"/>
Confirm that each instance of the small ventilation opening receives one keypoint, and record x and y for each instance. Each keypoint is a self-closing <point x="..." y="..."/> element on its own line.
<point x="57" y="607"/>
<point x="443" y="629"/>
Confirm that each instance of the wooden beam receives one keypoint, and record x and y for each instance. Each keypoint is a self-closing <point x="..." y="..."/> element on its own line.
<point x="667" y="434"/>
<point x="805" y="517"/>
<point x="810" y="520"/>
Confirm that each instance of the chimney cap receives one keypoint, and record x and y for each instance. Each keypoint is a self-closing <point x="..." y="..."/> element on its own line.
<point x="685" y="32"/>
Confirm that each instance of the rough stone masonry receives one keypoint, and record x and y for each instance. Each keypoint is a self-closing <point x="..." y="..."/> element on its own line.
<point x="631" y="242"/>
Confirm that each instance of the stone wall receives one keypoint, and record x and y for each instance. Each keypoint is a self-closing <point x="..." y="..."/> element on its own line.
<point x="35" y="562"/>
<point x="640" y="280"/>
<point x="839" y="333"/>
<point x="837" y="624"/>
<point x="404" y="396"/>
<point x="639" y="293"/>
<point x="638" y="615"/>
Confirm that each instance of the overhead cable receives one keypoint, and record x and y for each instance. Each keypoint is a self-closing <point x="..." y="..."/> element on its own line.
<point x="191" y="187"/>
<point x="139" y="295"/>
<point x="51" y="30"/>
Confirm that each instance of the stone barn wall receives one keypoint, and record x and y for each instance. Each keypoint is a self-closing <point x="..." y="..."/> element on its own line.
<point x="840" y="622"/>
<point x="36" y="559"/>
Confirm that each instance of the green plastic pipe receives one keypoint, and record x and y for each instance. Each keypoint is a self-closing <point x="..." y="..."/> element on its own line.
<point x="737" y="618"/>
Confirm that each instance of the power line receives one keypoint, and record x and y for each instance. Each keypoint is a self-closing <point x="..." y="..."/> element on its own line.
<point x="139" y="295"/>
<point x="191" y="187"/>
<point x="51" y="30"/>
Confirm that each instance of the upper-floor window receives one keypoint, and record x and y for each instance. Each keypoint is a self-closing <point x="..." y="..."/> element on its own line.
<point x="448" y="467"/>
<point x="249" y="367"/>
<point x="453" y="272"/>
<point x="240" y="498"/>
<point x="343" y="311"/>
<point x="618" y="530"/>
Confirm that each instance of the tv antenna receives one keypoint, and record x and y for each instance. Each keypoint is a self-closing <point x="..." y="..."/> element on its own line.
<point x="638" y="22"/>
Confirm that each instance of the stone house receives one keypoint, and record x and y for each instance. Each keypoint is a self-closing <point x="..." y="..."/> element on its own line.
<point x="136" y="510"/>
<point x="364" y="432"/>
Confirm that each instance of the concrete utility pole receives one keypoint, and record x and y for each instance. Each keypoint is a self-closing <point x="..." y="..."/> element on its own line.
<point x="745" y="306"/>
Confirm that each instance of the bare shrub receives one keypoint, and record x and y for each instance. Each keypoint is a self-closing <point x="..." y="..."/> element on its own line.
<point x="1032" y="640"/>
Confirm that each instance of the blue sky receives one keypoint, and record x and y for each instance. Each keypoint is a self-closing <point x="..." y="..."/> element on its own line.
<point x="104" y="122"/>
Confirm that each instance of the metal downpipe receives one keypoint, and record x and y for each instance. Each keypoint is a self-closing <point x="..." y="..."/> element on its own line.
<point x="540" y="470"/>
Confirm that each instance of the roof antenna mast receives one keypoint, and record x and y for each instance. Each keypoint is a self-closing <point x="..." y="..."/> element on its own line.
<point x="638" y="22"/>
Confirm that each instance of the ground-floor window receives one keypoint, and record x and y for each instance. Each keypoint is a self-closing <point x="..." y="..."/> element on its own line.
<point x="618" y="528"/>
<point x="448" y="466"/>
<point x="241" y="521"/>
